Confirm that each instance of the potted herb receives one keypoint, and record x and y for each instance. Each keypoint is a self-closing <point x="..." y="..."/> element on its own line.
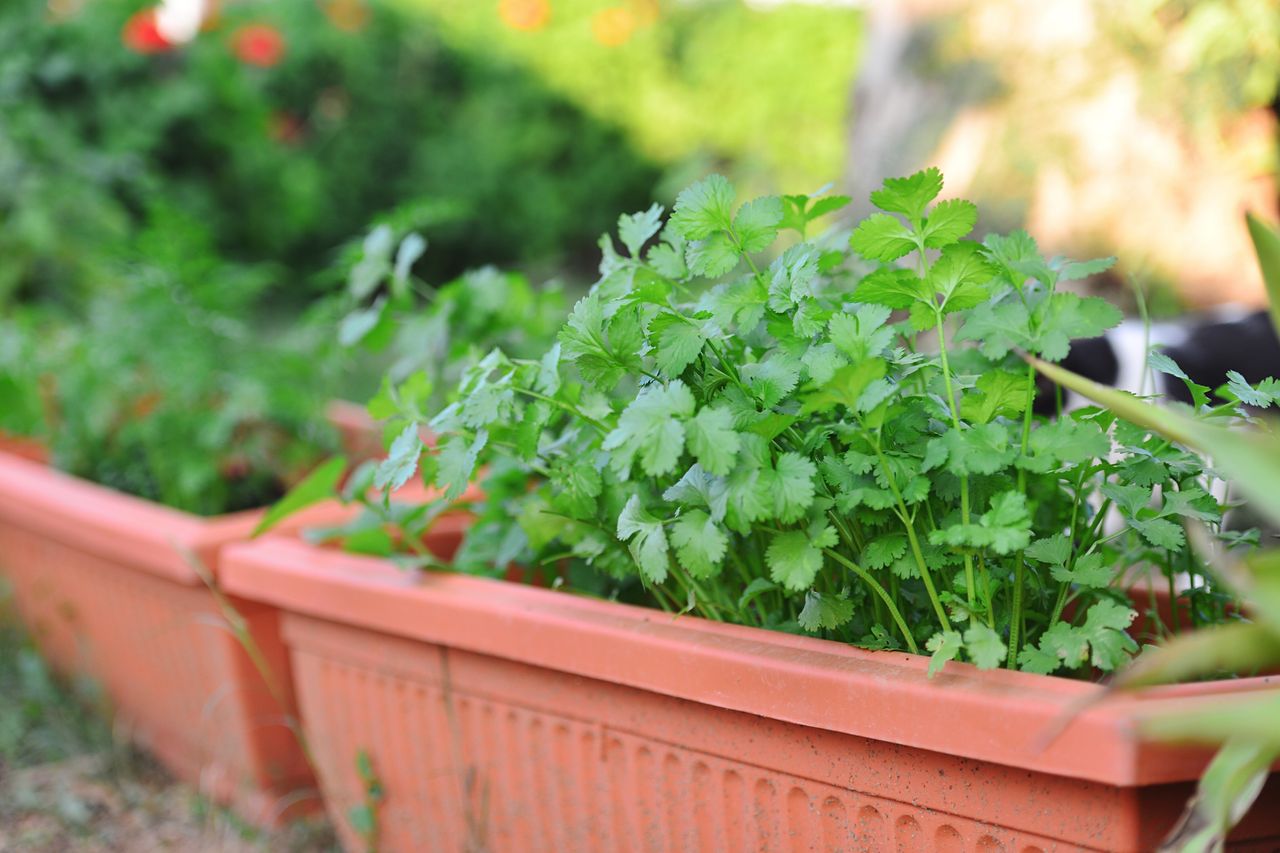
<point x="169" y="423"/>
<point x="836" y="443"/>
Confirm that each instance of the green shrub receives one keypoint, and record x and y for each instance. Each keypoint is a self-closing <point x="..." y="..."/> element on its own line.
<point x="158" y="387"/>
<point x="94" y="135"/>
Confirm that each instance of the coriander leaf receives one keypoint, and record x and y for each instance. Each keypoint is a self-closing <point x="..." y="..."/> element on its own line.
<point x="1054" y="550"/>
<point x="792" y="277"/>
<point x="948" y="222"/>
<point x="1105" y="626"/>
<point x="1088" y="571"/>
<point x="1164" y="364"/>
<point x="411" y="248"/>
<point x="712" y="439"/>
<point x="1064" y="317"/>
<point x="984" y="646"/>
<point x="700" y="543"/>
<point x="1245" y="393"/>
<point x="824" y="610"/>
<point x="676" y="342"/>
<point x="712" y="257"/>
<point x="822" y="360"/>
<point x="998" y="328"/>
<point x="1034" y="660"/>
<point x="794" y="559"/>
<point x="651" y="427"/>
<point x="578" y="484"/>
<point x="757" y="587"/>
<point x="756" y="224"/>
<point x="699" y="488"/>
<point x="959" y="277"/>
<point x="862" y="334"/>
<point x="883" y="550"/>
<point x="1066" y="643"/>
<point x="1070" y="441"/>
<point x="881" y="237"/>
<point x="945" y="645"/>
<point x="999" y="392"/>
<point x="845" y="387"/>
<point x="1130" y="498"/>
<point x="646" y="539"/>
<point x="1074" y="270"/>
<point x="771" y="380"/>
<point x="742" y="302"/>
<point x="1160" y="532"/>
<point x="891" y="287"/>
<point x="458" y="462"/>
<point x="981" y="449"/>
<point x="402" y="460"/>
<point x="635" y="229"/>
<point x="909" y="195"/>
<point x="1004" y="528"/>
<point x="791" y="485"/>
<point x="704" y="208"/>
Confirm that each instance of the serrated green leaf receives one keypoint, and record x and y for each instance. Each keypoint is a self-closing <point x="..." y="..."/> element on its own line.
<point x="700" y="543"/>
<point x="824" y="610"/>
<point x="713" y="257"/>
<point x="998" y="393"/>
<point x="651" y="428"/>
<point x="948" y="222"/>
<point x="402" y="459"/>
<point x="646" y="538"/>
<point x="909" y="196"/>
<point x="713" y="440"/>
<point x="892" y="287"/>
<point x="881" y="237"/>
<point x="704" y="208"/>
<point x="883" y="550"/>
<point x="756" y="224"/>
<point x="946" y="646"/>
<point x="794" y="559"/>
<point x="677" y="343"/>
<point x="984" y="646"/>
<point x="635" y="229"/>
<point x="457" y="462"/>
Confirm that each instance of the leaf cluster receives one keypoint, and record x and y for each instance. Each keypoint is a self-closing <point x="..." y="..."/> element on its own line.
<point x="828" y="435"/>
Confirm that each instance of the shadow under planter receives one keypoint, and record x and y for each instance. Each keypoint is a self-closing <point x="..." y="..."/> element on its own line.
<point x="504" y="717"/>
<point x="106" y="585"/>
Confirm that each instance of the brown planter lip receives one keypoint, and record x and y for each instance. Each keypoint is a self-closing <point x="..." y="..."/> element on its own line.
<point x="127" y="529"/>
<point x="997" y="716"/>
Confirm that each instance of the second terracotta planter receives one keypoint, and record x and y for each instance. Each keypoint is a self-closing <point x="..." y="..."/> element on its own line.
<point x="109" y="588"/>
<point x="503" y="717"/>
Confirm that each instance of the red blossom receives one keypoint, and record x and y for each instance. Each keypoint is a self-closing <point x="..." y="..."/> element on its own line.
<point x="141" y="35"/>
<point x="258" y="44"/>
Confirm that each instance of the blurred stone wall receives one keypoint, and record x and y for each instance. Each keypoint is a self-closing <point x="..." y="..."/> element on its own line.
<point x="1140" y="128"/>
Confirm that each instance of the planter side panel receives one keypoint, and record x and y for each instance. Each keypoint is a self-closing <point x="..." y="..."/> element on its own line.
<point x="177" y="679"/>
<point x="474" y="751"/>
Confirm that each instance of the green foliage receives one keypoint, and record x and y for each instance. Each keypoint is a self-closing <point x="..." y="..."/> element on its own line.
<point x="286" y="162"/>
<point x="716" y="80"/>
<point x="158" y="388"/>
<point x="766" y="442"/>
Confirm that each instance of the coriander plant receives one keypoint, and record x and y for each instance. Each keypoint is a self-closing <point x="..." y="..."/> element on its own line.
<point x="830" y="436"/>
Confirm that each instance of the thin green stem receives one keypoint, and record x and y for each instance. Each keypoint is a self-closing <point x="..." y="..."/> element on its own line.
<point x="1020" y="564"/>
<point x="879" y="591"/>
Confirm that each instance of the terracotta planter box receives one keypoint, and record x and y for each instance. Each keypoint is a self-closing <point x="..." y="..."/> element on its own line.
<point x="514" y="718"/>
<point x="103" y="582"/>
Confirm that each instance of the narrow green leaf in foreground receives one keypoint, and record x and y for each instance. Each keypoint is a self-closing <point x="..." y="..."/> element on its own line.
<point x="321" y="484"/>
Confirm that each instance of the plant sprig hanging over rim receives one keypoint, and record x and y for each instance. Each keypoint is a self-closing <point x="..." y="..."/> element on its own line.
<point x="838" y="440"/>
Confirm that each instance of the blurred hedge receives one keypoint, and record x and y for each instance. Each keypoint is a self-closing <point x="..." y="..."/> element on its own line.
<point x="285" y="163"/>
<point x="758" y="89"/>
